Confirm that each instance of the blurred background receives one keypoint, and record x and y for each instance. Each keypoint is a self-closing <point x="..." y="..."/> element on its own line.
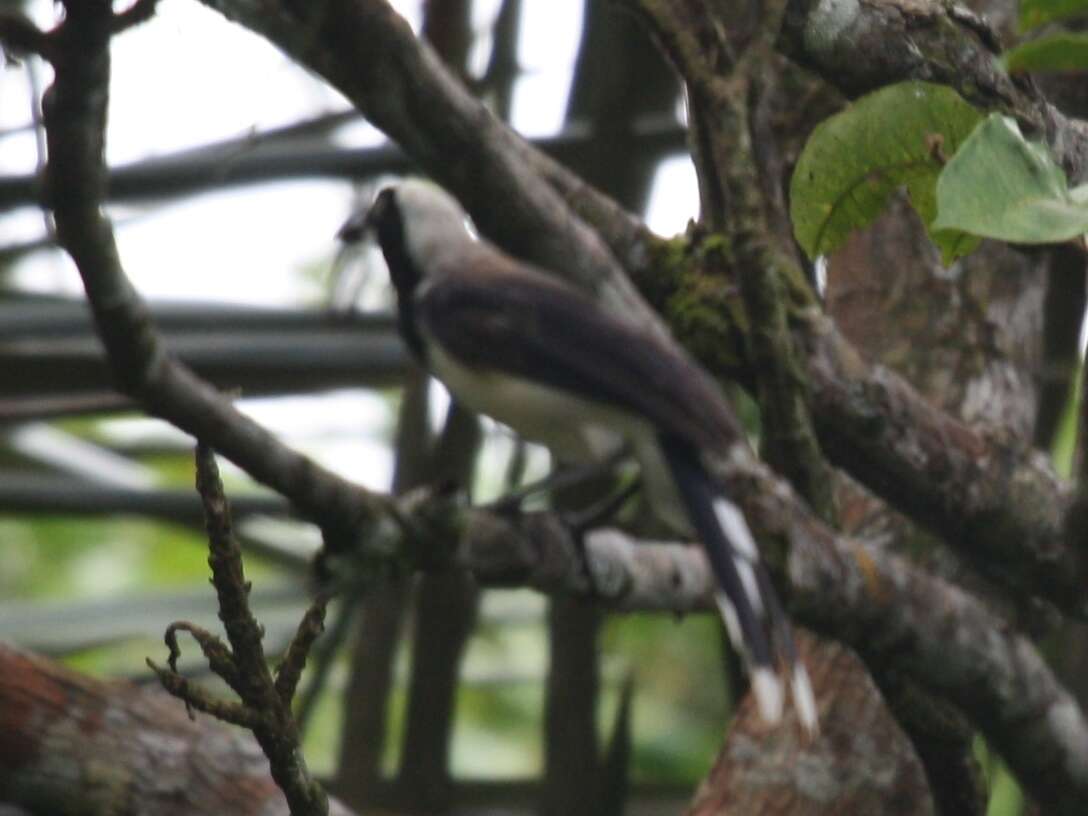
<point x="232" y="171"/>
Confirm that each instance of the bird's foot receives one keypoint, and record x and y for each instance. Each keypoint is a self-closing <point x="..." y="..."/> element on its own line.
<point x="560" y="479"/>
<point x="581" y="522"/>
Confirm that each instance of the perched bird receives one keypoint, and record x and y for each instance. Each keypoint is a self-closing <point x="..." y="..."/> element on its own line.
<point x="514" y="343"/>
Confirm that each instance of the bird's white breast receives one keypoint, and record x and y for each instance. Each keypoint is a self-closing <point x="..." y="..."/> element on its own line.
<point x="574" y="429"/>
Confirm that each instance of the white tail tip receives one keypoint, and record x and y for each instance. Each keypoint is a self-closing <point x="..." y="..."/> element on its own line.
<point x="804" y="701"/>
<point x="767" y="688"/>
<point x="732" y="623"/>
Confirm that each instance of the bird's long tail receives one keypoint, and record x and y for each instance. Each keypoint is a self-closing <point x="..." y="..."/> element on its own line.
<point x="753" y="614"/>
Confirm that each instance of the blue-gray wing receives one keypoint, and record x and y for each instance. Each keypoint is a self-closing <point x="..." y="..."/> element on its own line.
<point x="543" y="331"/>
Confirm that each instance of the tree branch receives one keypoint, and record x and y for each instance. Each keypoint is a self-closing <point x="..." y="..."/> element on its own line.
<point x="75" y="113"/>
<point x="402" y="87"/>
<point x="733" y="204"/>
<point x="265" y="707"/>
<point x="279" y="154"/>
<point x="71" y="744"/>
<point x="887" y="608"/>
<point x="18" y="35"/>
<point x="51" y="359"/>
<point x="139" y="12"/>
<point x="896" y="615"/>
<point x="1000" y="504"/>
<point x="770" y="771"/>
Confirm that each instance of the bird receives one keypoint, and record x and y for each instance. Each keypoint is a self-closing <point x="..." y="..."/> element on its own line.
<point x="514" y="342"/>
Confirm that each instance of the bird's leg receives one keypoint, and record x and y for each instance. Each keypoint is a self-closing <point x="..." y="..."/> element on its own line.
<point x="582" y="521"/>
<point x="562" y="484"/>
<point x="560" y="479"/>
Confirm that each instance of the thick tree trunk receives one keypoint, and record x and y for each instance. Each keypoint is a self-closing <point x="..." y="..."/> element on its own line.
<point x="74" y="746"/>
<point x="861" y="763"/>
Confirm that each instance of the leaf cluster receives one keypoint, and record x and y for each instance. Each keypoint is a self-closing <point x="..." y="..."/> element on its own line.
<point x="967" y="176"/>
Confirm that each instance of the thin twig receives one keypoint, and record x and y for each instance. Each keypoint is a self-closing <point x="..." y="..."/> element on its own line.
<point x="139" y="12"/>
<point x="265" y="706"/>
<point x="18" y="35"/>
<point x="75" y="117"/>
<point x="310" y="628"/>
<point x="324" y="657"/>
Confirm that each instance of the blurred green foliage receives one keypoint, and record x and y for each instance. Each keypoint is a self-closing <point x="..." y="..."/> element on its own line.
<point x="74" y="557"/>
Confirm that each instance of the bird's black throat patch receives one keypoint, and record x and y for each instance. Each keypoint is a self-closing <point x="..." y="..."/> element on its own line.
<point x="389" y="222"/>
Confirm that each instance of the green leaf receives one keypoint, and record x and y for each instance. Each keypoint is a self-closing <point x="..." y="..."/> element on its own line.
<point x="1059" y="52"/>
<point x="854" y="162"/>
<point x="999" y="185"/>
<point x="1033" y="13"/>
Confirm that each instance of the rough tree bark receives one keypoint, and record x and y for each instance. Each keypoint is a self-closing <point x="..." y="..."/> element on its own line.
<point x="74" y="745"/>
<point x="864" y="764"/>
<point x="985" y="494"/>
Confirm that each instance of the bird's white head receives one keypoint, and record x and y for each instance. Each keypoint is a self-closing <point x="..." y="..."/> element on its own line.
<point x="431" y="220"/>
<point x="418" y="224"/>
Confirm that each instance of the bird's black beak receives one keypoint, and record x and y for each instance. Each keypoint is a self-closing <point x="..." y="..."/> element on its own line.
<point x="364" y="223"/>
<point x="357" y="228"/>
<point x="361" y="226"/>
